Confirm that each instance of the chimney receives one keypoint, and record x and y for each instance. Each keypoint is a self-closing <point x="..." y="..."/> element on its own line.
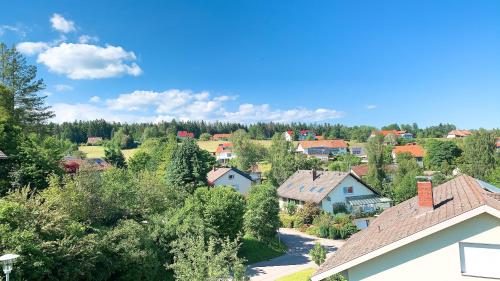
<point x="314" y="174"/>
<point x="425" y="198"/>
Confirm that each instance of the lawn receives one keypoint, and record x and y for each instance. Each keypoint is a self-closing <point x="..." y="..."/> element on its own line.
<point x="98" y="151"/>
<point x="303" y="275"/>
<point x="255" y="251"/>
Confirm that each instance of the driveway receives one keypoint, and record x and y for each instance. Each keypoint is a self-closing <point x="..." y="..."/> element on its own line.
<point x="296" y="259"/>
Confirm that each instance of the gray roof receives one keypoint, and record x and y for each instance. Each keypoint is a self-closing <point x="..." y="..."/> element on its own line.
<point x="452" y="198"/>
<point x="2" y="155"/>
<point x="301" y="186"/>
<point x="366" y="200"/>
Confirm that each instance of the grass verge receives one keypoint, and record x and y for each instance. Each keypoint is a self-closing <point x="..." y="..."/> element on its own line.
<point x="303" y="275"/>
<point x="255" y="251"/>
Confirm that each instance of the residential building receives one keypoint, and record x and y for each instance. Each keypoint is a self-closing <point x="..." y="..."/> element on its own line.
<point x="2" y="155"/>
<point x="224" y="153"/>
<point x="450" y="232"/>
<point x="414" y="149"/>
<point x="221" y="137"/>
<point x="397" y="133"/>
<point x="306" y="135"/>
<point x="359" y="152"/>
<point x="241" y="181"/>
<point x="94" y="141"/>
<point x="360" y="171"/>
<point x="288" y="135"/>
<point x="330" y="189"/>
<point x="458" y="134"/>
<point x="181" y="135"/>
<point x="322" y="149"/>
<point x="73" y="164"/>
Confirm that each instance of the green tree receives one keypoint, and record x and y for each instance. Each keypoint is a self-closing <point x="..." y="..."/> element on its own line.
<point x="261" y="219"/>
<point x="478" y="158"/>
<point x="344" y="162"/>
<point x="189" y="166"/>
<point x="282" y="160"/>
<point x="438" y="152"/>
<point x="139" y="161"/>
<point x="404" y="185"/>
<point x="376" y="162"/>
<point x="248" y="153"/>
<point x="113" y="155"/>
<point x="318" y="254"/>
<point x="23" y="100"/>
<point x="205" y="137"/>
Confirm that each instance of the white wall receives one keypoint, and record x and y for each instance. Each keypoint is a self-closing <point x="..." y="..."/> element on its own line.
<point x="435" y="257"/>
<point x="337" y="195"/>
<point x="239" y="182"/>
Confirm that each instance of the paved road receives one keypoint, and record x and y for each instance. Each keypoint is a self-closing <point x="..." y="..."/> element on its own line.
<point x="296" y="259"/>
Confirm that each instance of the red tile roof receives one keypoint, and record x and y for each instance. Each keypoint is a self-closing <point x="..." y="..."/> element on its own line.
<point x="185" y="134"/>
<point x="223" y="147"/>
<point x="395" y="132"/>
<point x="323" y="143"/>
<point x="414" y="149"/>
<point x="360" y="170"/>
<point x="221" y="136"/>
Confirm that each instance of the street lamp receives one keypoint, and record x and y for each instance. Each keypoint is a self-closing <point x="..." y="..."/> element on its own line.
<point x="7" y="261"/>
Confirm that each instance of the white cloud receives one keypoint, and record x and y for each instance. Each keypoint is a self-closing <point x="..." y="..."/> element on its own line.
<point x="84" y="39"/>
<point x="14" y="29"/>
<point x="61" y="24"/>
<point x="63" y="88"/>
<point x="371" y="106"/>
<point x="84" y="61"/>
<point x="95" y="99"/>
<point x="150" y="106"/>
<point x="32" y="48"/>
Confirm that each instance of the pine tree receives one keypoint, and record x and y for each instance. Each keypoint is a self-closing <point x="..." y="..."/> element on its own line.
<point x="23" y="102"/>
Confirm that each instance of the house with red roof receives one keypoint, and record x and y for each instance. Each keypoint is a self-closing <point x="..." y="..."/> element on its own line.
<point x="414" y="149"/>
<point x="458" y="134"/>
<point x="322" y="149"/>
<point x="224" y="152"/>
<point x="181" y="135"/>
<point x="303" y="135"/>
<point x="221" y="137"/>
<point x="94" y="141"/>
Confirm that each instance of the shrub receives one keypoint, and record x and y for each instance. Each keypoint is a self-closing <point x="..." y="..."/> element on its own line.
<point x="318" y="254"/>
<point x="308" y="212"/>
<point x="291" y="208"/>
<point x="298" y="222"/>
<point x="323" y="231"/>
<point x="286" y="220"/>
<point x="312" y="230"/>
<point x="342" y="227"/>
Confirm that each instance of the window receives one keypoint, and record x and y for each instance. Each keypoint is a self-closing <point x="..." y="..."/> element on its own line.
<point x="348" y="189"/>
<point x="480" y="259"/>
<point x="229" y="155"/>
<point x="312" y="189"/>
<point x="301" y="188"/>
<point x="231" y="177"/>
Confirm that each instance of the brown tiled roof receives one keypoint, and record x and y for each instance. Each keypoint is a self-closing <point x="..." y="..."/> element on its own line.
<point x="460" y="133"/>
<point x="323" y="143"/>
<point x="394" y="132"/>
<point x="414" y="149"/>
<point x="221" y="136"/>
<point x="2" y="155"/>
<point x="216" y="173"/>
<point x="451" y="199"/>
<point x="301" y="186"/>
<point x="72" y="164"/>
<point x="360" y="170"/>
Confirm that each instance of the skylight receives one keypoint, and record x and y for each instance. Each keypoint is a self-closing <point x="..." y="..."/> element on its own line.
<point x="312" y="189"/>
<point x="301" y="188"/>
<point x="321" y="189"/>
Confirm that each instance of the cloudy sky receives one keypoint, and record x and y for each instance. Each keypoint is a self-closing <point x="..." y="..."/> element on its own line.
<point x="350" y="62"/>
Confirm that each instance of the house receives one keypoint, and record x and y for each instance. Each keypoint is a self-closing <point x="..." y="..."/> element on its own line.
<point x="288" y="135"/>
<point x="73" y="164"/>
<point x="241" y="181"/>
<point x="397" y="133"/>
<point x="94" y="141"/>
<point x="322" y="149"/>
<point x="306" y="135"/>
<point x="221" y="137"/>
<point x="181" y="135"/>
<point x="414" y="149"/>
<point x="360" y="171"/>
<point x="497" y="144"/>
<point x="2" y="155"/>
<point x="458" y="134"/>
<point x="224" y="153"/>
<point x="330" y="189"/>
<point x="450" y="232"/>
<point x="359" y="152"/>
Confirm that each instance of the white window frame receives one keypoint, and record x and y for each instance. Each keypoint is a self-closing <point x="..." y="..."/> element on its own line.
<point x="463" y="268"/>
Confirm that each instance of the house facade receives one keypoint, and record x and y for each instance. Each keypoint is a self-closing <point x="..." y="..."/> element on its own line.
<point x="397" y="133"/>
<point x="414" y="149"/>
<point x="330" y="190"/>
<point x="181" y="135"/>
<point x="239" y="180"/>
<point x="322" y="149"/>
<point x="458" y="134"/>
<point x="450" y="232"/>
<point x="224" y="153"/>
<point x="94" y="141"/>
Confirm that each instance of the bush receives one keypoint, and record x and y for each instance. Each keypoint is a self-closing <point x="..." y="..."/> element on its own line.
<point x="286" y="220"/>
<point x="342" y="227"/>
<point x="312" y="230"/>
<point x="323" y="231"/>
<point x="318" y="254"/>
<point x="205" y="137"/>
<point x="298" y="222"/>
<point x="291" y="208"/>
<point x="308" y="212"/>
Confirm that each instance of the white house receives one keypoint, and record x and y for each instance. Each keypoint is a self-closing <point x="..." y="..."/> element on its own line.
<point x="329" y="189"/>
<point x="458" y="134"/>
<point x="450" y="232"/>
<point x="322" y="149"/>
<point x="414" y="149"/>
<point x="241" y="181"/>
<point x="224" y="153"/>
<point x="288" y="135"/>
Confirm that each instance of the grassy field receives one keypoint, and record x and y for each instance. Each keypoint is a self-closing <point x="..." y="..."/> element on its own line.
<point x="98" y="151"/>
<point x="303" y="275"/>
<point x="255" y="251"/>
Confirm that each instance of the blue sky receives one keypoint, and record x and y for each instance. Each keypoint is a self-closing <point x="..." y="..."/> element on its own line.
<point x="349" y="62"/>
